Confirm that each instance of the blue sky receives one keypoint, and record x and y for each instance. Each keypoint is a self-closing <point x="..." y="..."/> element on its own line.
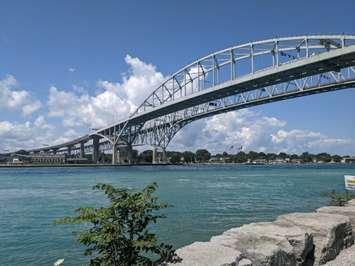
<point x="75" y="45"/>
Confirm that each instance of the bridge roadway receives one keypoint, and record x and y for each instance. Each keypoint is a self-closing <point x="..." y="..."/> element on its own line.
<point x="288" y="68"/>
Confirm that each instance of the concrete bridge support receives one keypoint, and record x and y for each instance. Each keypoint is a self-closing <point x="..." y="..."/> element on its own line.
<point x="154" y="157"/>
<point x="129" y="152"/>
<point x="115" y="154"/>
<point x="82" y="149"/>
<point x="95" y="149"/>
<point x="69" y="148"/>
<point x="164" y="158"/>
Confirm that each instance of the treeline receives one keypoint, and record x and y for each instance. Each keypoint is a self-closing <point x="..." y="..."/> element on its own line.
<point x="204" y="156"/>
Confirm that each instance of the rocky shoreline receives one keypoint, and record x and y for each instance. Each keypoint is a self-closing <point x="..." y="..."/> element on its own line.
<point x="323" y="237"/>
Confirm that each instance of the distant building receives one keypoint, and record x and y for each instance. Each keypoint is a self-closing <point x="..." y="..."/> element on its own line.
<point x="77" y="160"/>
<point x="297" y="161"/>
<point x="348" y="160"/>
<point x="259" y="161"/>
<point x="48" y="158"/>
<point x="277" y="161"/>
<point x="16" y="161"/>
<point x="216" y="159"/>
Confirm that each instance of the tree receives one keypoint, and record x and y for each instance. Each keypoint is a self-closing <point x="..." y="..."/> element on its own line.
<point x="146" y="156"/>
<point x="282" y="155"/>
<point x="294" y="156"/>
<point x="306" y="157"/>
<point x="240" y="157"/>
<point x="324" y="157"/>
<point x="203" y="155"/>
<point x="271" y="156"/>
<point x="189" y="157"/>
<point x="118" y="234"/>
<point x="253" y="155"/>
<point x="336" y="158"/>
<point x="175" y="157"/>
<point x="261" y="155"/>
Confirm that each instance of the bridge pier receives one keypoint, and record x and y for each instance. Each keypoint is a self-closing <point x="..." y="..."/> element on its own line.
<point x="82" y="149"/>
<point x="115" y="154"/>
<point x="164" y="158"/>
<point x="129" y="151"/>
<point x="154" y="157"/>
<point x="95" y="149"/>
<point x="69" y="150"/>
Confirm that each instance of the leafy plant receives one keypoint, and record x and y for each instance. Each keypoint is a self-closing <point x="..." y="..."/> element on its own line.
<point x="118" y="234"/>
<point x="338" y="199"/>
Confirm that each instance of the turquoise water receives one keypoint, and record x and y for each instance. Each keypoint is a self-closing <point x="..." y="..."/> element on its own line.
<point x="207" y="200"/>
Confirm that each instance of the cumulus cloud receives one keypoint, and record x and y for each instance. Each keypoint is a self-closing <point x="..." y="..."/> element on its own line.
<point x="114" y="102"/>
<point x="254" y="131"/>
<point x="15" y="136"/>
<point x="297" y="140"/>
<point x="13" y="98"/>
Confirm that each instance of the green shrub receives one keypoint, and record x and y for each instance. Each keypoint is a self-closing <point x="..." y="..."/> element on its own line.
<point x="118" y="234"/>
<point x="339" y="199"/>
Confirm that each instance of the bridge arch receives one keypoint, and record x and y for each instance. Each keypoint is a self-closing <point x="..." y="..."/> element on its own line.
<point x="290" y="66"/>
<point x="238" y="77"/>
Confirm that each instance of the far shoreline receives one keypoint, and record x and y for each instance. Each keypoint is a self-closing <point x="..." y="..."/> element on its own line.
<point x="162" y="164"/>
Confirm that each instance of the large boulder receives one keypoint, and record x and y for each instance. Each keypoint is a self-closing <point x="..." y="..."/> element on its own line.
<point x="351" y="203"/>
<point x="296" y="239"/>
<point x="207" y="253"/>
<point x="345" y="258"/>
<point x="268" y="244"/>
<point x="331" y="232"/>
<point x="347" y="210"/>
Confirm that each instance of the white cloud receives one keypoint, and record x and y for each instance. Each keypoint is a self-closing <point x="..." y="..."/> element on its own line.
<point x="254" y="131"/>
<point x="15" y="136"/>
<point x="113" y="103"/>
<point x="297" y="140"/>
<point x="40" y="122"/>
<point x="71" y="69"/>
<point x="219" y="133"/>
<point x="13" y="98"/>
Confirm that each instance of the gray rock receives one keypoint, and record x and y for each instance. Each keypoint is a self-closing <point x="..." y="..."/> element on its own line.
<point x="207" y="253"/>
<point x="331" y="232"/>
<point x="347" y="210"/>
<point x="293" y="239"/>
<point x="351" y="203"/>
<point x="345" y="258"/>
<point x="244" y="262"/>
<point x="268" y="243"/>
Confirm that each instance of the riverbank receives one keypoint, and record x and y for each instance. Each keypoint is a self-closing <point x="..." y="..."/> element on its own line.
<point x="323" y="237"/>
<point x="162" y="164"/>
<point x="77" y="165"/>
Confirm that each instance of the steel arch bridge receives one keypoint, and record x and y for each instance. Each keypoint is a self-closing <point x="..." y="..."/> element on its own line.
<point x="238" y="77"/>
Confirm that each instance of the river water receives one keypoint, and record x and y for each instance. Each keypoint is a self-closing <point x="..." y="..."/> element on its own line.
<point x="207" y="201"/>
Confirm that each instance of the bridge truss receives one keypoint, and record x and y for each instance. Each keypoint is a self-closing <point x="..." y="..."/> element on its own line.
<point x="238" y="77"/>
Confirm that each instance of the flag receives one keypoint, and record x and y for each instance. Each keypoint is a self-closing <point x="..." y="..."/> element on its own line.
<point x="349" y="182"/>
